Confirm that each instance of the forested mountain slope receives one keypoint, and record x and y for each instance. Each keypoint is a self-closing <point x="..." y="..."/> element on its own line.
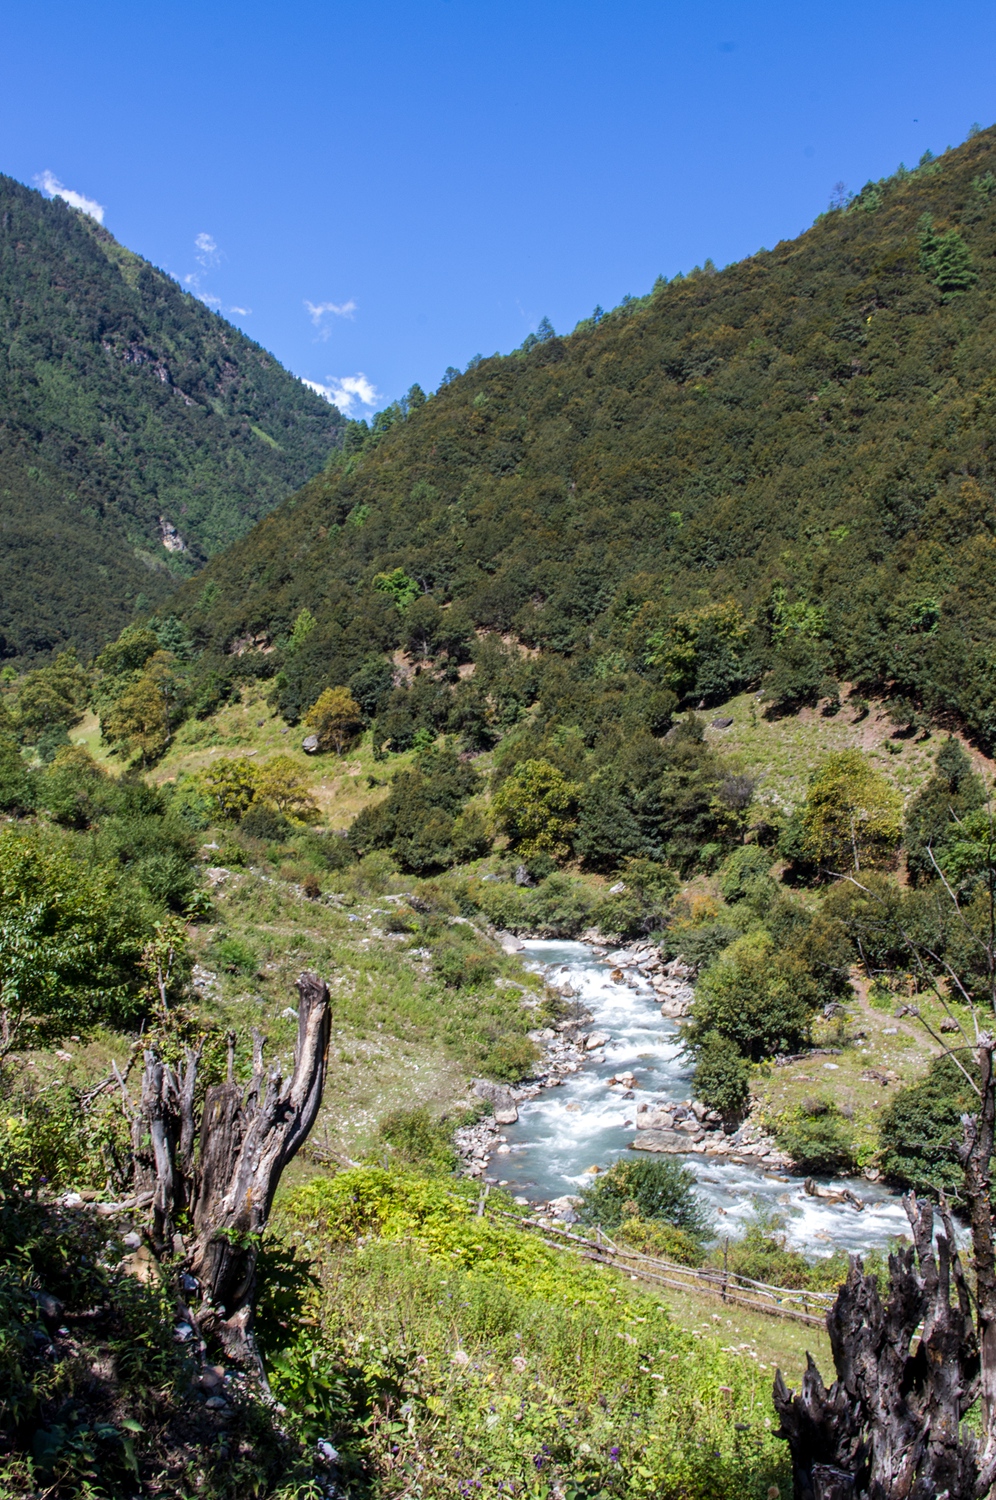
<point x="124" y="400"/>
<point x="779" y="472"/>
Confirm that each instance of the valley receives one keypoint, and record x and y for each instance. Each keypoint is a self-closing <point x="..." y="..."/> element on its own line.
<point x="609" y="735"/>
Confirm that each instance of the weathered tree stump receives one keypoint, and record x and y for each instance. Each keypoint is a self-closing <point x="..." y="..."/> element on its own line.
<point x="216" y="1175"/>
<point x="889" y="1426"/>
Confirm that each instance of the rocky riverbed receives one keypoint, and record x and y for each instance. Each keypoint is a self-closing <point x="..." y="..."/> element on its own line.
<point x="614" y="1079"/>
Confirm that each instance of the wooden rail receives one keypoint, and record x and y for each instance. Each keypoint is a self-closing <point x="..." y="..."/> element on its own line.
<point x="777" y="1301"/>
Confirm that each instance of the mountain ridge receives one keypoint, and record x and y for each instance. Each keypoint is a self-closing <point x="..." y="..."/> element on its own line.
<point x="127" y="408"/>
<point x="805" y="435"/>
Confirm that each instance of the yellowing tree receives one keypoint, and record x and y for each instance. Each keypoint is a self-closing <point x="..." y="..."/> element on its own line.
<point x="281" y="784"/>
<point x="853" y="817"/>
<point x="231" y="785"/>
<point x="336" y="719"/>
<point x="143" y="718"/>
<point x="537" y="807"/>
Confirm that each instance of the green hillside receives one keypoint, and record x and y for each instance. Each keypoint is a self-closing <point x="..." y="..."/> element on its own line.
<point x="123" y="400"/>
<point x="777" y="473"/>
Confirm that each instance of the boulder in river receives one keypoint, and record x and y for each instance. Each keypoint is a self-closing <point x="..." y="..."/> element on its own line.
<point x="673" y="1142"/>
<point x="596" y="1039"/>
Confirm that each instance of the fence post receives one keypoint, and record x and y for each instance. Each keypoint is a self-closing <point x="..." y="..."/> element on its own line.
<point x="726" y="1249"/>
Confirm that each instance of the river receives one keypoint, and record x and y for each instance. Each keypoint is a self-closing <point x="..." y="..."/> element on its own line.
<point x="584" y="1123"/>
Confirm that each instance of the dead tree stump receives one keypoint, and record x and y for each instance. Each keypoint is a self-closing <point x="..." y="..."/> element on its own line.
<point x="889" y="1426"/>
<point x="216" y="1176"/>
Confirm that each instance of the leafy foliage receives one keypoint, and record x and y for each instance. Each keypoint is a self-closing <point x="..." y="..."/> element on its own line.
<point x="921" y="1129"/>
<point x="817" y="1138"/>
<point x="803" y="437"/>
<point x="70" y="944"/>
<point x="758" y="997"/>
<point x="659" y="1189"/>
<point x="516" y="1367"/>
<point x="722" y="1077"/>
<point x="852" y="817"/>
<point x="336" y="719"/>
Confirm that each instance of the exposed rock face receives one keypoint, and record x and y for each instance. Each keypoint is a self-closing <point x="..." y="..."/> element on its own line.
<point x="171" y="538"/>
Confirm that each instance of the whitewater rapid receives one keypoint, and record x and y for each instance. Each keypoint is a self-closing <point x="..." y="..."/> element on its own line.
<point x="584" y="1123"/>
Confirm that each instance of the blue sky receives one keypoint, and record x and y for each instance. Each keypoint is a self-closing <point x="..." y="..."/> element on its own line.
<point x="376" y="193"/>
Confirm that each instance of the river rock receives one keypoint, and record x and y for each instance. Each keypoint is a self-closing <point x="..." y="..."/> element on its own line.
<point x="500" y="1099"/>
<point x="509" y="943"/>
<point x="672" y="1141"/>
<point x="596" y="1039"/>
<point x="676" y="1003"/>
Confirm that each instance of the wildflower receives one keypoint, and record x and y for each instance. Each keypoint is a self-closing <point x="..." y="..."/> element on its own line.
<point x="614" y="1455"/>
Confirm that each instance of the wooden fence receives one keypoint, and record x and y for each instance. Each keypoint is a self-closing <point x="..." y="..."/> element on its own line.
<point x="802" y="1306"/>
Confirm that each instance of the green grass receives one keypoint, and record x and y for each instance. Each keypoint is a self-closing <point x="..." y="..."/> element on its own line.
<point x="782" y="753"/>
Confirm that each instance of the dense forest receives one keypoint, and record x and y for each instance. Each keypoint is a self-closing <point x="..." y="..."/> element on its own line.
<point x="126" y="407"/>
<point x="775" y="474"/>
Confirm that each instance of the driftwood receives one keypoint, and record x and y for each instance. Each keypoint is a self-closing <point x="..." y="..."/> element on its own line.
<point x="213" y="1178"/>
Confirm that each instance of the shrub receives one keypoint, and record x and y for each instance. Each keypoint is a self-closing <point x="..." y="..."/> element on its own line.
<point x="722" y="1076"/>
<point x="235" y="956"/>
<point x="919" y="1132"/>
<point x="652" y="1237"/>
<point x="817" y="1138"/>
<point x="744" y="866"/>
<point x="335" y="718"/>
<point x="460" y="967"/>
<point x="17" y="784"/>
<point x="660" y="1190"/>
<point x="416" y="1139"/>
<point x="759" y="997"/>
<point x="264" y="823"/>
<point x="536" y="806"/>
<point x="510" y="1059"/>
<point x="852" y="817"/>
<point x="763" y="1255"/>
<point x="71" y="940"/>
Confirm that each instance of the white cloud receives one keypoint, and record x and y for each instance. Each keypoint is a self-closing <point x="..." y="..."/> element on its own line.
<point x="53" y="188"/>
<point x="208" y="248"/>
<point x="347" y="392"/>
<point x="193" y="282"/>
<point x="318" y="310"/>
<point x="241" y="312"/>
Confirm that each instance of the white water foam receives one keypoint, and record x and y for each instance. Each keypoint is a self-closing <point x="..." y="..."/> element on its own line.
<point x="585" y="1123"/>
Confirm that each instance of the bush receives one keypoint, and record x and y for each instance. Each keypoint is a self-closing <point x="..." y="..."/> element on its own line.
<point x="817" y="1138"/>
<point x="418" y="1140"/>
<point x="763" y="1255"/>
<point x="510" y="1059"/>
<point x="265" y="823"/>
<point x="652" y="1237"/>
<point x="71" y="940"/>
<point x="235" y="956"/>
<point x="17" y="784"/>
<point x="921" y="1129"/>
<point x="335" y="719"/>
<point x="460" y="967"/>
<point x="536" y="806"/>
<point x="722" y="1076"/>
<point x="758" y="996"/>
<point x="660" y="1190"/>
<point x="744" y="866"/>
